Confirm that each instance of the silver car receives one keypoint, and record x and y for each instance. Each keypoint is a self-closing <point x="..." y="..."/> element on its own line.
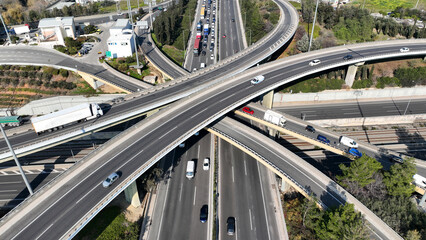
<point x="110" y="180"/>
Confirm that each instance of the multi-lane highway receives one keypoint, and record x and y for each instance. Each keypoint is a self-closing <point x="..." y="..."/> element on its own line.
<point x="356" y="109"/>
<point x="148" y="142"/>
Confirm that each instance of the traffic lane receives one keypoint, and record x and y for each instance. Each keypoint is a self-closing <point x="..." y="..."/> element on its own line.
<point x="357" y="109"/>
<point x="13" y="188"/>
<point x="249" y="207"/>
<point x="228" y="204"/>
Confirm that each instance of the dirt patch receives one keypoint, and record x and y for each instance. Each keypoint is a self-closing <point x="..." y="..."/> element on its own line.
<point x="386" y="69"/>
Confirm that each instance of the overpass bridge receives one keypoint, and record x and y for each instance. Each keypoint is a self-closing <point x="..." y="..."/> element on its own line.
<point x="277" y="73"/>
<point x="297" y="172"/>
<point x="65" y="205"/>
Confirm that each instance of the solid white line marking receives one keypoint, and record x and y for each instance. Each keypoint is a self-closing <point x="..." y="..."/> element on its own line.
<point x="233" y="180"/>
<point x="245" y="167"/>
<point x="350" y="113"/>
<point x="251" y="222"/>
<point x="263" y="199"/>
<point x="195" y="194"/>
<point x="44" y="231"/>
<point x="180" y="192"/>
<point x="167" y="133"/>
<point x="87" y="193"/>
<point x="8" y="190"/>
<point x="9" y="182"/>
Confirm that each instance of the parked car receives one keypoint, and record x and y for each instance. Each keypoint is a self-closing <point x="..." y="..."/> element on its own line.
<point x="248" y="110"/>
<point x="323" y="139"/>
<point x="314" y="62"/>
<point x="230" y="226"/>
<point x="206" y="164"/>
<point x="309" y="128"/>
<point x="110" y="180"/>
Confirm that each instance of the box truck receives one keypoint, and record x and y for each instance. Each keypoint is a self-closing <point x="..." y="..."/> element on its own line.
<point x="274" y="118"/>
<point x="349" y="142"/>
<point x="190" y="167"/>
<point x="66" y="116"/>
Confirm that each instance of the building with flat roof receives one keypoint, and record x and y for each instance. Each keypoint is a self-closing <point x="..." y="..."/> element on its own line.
<point x="119" y="26"/>
<point x="54" y="30"/>
<point x="121" y="45"/>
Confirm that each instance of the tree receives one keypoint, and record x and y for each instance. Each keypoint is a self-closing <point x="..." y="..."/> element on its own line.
<point x="360" y="171"/>
<point x="398" y="179"/>
<point x="341" y="223"/>
<point x="308" y="8"/>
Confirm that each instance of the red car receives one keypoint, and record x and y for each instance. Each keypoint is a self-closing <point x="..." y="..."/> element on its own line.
<point x="248" y="110"/>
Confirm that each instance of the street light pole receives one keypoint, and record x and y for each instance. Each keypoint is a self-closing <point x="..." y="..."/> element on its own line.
<point x="16" y="160"/>
<point x="5" y="29"/>
<point x="133" y="34"/>
<point x="313" y="27"/>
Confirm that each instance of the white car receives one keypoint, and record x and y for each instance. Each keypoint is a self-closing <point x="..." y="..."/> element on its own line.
<point x="110" y="180"/>
<point x="206" y="164"/>
<point x="404" y="49"/>
<point x="195" y="69"/>
<point x="212" y="57"/>
<point x="257" y="79"/>
<point x="314" y="62"/>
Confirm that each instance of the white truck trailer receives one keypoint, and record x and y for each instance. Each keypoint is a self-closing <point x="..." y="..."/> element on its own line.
<point x="274" y="118"/>
<point x="66" y="116"/>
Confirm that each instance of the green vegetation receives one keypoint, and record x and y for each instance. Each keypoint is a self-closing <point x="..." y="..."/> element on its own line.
<point x="386" y="193"/>
<point x="123" y="6"/>
<point x="296" y="5"/>
<point x="124" y="65"/>
<point x="110" y="223"/>
<point x="386" y="5"/>
<point x="25" y="83"/>
<point x="85" y="89"/>
<point x="314" y="85"/>
<point x="176" y="55"/>
<point x="259" y="18"/>
<point x="90" y="29"/>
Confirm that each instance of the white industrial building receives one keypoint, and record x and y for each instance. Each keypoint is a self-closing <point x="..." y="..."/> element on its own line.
<point x="54" y="30"/>
<point x="119" y="26"/>
<point x="121" y="45"/>
<point x="121" y="42"/>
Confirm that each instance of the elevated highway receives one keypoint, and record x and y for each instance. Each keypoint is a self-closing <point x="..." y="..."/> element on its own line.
<point x="63" y="207"/>
<point x="158" y="96"/>
<point x="299" y="174"/>
<point x="277" y="73"/>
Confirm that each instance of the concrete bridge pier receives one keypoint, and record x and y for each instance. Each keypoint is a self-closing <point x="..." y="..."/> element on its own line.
<point x="267" y="101"/>
<point x="284" y="186"/>
<point x="350" y="74"/>
<point x="90" y="80"/>
<point x="132" y="195"/>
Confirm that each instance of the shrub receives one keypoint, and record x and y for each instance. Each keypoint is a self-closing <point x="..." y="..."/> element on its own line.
<point x="63" y="72"/>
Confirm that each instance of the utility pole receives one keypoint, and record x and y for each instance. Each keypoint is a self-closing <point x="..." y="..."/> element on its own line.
<point x="5" y="29"/>
<point x="134" y="35"/>
<point x="6" y="120"/>
<point x="150" y="13"/>
<point x="313" y="27"/>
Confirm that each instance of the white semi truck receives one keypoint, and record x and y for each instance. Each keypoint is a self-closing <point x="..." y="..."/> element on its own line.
<point x="274" y="118"/>
<point x="66" y="116"/>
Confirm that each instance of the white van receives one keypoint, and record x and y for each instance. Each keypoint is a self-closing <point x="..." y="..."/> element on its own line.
<point x="349" y="142"/>
<point x="203" y="65"/>
<point x="190" y="169"/>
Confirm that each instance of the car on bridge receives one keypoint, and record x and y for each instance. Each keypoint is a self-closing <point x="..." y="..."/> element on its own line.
<point x="257" y="80"/>
<point x="348" y="57"/>
<point x="248" y="110"/>
<point x="309" y="128"/>
<point x="323" y="139"/>
<point x="314" y="62"/>
<point x="354" y="152"/>
<point x="110" y="180"/>
<point x="404" y="49"/>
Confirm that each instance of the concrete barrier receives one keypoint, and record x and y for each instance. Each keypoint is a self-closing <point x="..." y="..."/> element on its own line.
<point x="348" y="122"/>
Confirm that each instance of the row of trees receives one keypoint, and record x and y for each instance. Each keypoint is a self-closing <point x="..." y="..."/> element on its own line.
<point x="355" y="24"/>
<point x="168" y="25"/>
